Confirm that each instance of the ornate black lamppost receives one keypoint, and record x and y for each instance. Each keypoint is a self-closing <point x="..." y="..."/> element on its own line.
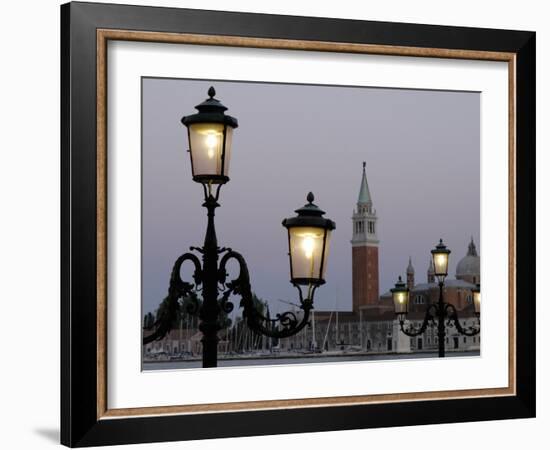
<point x="210" y="134"/>
<point x="444" y="313"/>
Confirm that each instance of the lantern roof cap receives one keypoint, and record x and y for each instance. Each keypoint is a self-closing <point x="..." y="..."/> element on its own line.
<point x="310" y="208"/>
<point x="441" y="248"/>
<point x="210" y="110"/>
<point x="211" y="104"/>
<point x="400" y="286"/>
<point x="309" y="215"/>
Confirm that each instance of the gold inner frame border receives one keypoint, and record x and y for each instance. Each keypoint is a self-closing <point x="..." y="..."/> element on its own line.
<point x="104" y="35"/>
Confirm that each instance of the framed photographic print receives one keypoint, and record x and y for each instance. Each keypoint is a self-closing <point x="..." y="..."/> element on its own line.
<point x="276" y="224"/>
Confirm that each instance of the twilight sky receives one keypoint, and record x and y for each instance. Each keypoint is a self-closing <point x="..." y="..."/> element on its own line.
<point x="422" y="154"/>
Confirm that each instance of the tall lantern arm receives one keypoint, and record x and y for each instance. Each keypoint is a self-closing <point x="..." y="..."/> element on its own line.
<point x="452" y="314"/>
<point x="413" y="331"/>
<point x="177" y="289"/>
<point x="283" y="325"/>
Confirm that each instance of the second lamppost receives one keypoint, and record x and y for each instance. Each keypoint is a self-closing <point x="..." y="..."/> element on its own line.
<point x="210" y="133"/>
<point x="442" y="313"/>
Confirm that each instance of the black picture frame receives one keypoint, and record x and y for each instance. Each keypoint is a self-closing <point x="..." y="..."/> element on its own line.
<point x="80" y="425"/>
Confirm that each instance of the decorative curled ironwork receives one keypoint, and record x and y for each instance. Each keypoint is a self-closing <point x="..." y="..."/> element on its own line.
<point x="452" y="314"/>
<point x="177" y="289"/>
<point x="283" y="325"/>
<point x="429" y="320"/>
<point x="448" y="314"/>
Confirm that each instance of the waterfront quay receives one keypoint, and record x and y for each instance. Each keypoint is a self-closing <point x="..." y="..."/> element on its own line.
<point x="313" y="358"/>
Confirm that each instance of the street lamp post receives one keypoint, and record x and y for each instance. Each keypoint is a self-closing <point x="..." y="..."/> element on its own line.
<point x="444" y="313"/>
<point x="210" y="134"/>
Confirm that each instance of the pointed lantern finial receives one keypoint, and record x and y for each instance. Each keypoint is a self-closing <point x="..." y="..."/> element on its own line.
<point x="211" y="92"/>
<point x="310" y="197"/>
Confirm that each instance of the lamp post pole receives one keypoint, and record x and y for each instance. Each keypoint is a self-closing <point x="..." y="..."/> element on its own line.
<point x="441" y="322"/>
<point x="210" y="310"/>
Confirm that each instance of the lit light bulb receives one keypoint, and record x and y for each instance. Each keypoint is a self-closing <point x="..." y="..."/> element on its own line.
<point x="400" y="298"/>
<point x="308" y="245"/>
<point x="211" y="143"/>
<point x="440" y="261"/>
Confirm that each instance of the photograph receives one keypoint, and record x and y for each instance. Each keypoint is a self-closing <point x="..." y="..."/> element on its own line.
<point x="299" y="223"/>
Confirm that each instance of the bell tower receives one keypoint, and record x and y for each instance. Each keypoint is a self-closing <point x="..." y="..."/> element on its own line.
<point x="364" y="249"/>
<point x="410" y="274"/>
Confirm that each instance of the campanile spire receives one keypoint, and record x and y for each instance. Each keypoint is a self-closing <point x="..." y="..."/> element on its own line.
<point x="364" y="217"/>
<point x="364" y="193"/>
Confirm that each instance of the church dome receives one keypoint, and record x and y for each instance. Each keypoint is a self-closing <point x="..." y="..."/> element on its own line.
<point x="469" y="265"/>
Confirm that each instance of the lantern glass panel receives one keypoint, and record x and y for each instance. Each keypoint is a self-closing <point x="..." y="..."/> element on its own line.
<point x="207" y="143"/>
<point x="306" y="252"/>
<point x="401" y="301"/>
<point x="441" y="261"/>
<point x="477" y="301"/>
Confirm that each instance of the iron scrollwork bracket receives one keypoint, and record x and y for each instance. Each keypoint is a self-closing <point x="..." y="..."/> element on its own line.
<point x="453" y="320"/>
<point x="429" y="320"/>
<point x="283" y="325"/>
<point x="450" y="316"/>
<point x="177" y="289"/>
